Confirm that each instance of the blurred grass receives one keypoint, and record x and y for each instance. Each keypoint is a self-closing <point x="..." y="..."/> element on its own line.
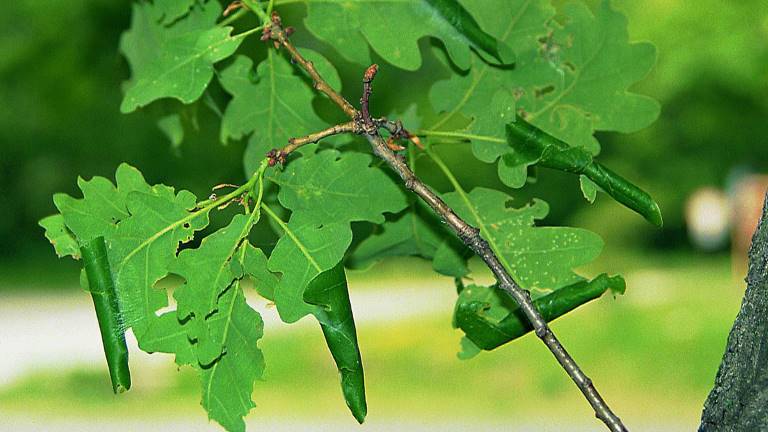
<point x="653" y="353"/>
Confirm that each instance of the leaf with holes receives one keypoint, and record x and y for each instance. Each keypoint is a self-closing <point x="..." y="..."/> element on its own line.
<point x="570" y="80"/>
<point x="142" y="226"/>
<point x="207" y="271"/>
<point x="539" y="258"/>
<point x="228" y="383"/>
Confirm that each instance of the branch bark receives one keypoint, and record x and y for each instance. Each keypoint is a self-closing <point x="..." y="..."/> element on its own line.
<point x="739" y="399"/>
<point x="368" y="128"/>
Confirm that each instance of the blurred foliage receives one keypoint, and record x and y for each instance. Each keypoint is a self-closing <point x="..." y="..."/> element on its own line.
<point x="61" y="76"/>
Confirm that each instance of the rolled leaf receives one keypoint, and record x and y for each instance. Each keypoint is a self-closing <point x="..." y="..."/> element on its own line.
<point x="534" y="146"/>
<point x="490" y="321"/>
<point x="111" y="326"/>
<point x="455" y="14"/>
<point x="328" y="290"/>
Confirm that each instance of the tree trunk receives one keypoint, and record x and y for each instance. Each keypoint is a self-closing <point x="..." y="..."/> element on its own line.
<point x="739" y="400"/>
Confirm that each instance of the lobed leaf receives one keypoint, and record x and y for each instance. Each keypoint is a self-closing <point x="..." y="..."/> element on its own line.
<point x="539" y="258"/>
<point x="173" y="60"/>
<point x="228" y="383"/>
<point x="273" y="105"/>
<point x="338" y="187"/>
<point x="212" y="329"/>
<point x="62" y="240"/>
<point x="305" y="250"/>
<point x="393" y="28"/>
<point x="570" y="80"/>
<point x="207" y="271"/>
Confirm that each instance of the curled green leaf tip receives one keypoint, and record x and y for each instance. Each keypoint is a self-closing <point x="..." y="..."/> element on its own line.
<point x="328" y="290"/>
<point x="533" y="146"/>
<point x="489" y="322"/>
<point x="102" y="289"/>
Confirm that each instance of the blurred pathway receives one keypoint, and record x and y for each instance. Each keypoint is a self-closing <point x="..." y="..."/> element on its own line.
<point x="44" y="330"/>
<point x="27" y="425"/>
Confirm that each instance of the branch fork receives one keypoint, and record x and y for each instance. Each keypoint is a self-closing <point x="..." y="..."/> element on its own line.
<point x="362" y="123"/>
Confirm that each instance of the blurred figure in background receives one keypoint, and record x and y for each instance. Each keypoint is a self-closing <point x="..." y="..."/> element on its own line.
<point x="713" y="217"/>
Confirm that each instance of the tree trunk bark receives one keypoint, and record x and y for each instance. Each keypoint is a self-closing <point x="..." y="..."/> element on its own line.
<point x="739" y="399"/>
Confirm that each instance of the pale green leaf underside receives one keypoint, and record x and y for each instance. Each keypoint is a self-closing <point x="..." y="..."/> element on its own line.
<point x="305" y="250"/>
<point x="60" y="237"/>
<point x="540" y="258"/>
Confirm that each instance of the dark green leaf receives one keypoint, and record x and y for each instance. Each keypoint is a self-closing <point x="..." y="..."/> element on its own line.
<point x="393" y="29"/>
<point x="106" y="303"/>
<point x="532" y="145"/>
<point x="489" y="318"/>
<point x="329" y="291"/>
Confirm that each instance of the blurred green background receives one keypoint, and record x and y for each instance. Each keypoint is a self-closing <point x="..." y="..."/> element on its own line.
<point x="654" y="352"/>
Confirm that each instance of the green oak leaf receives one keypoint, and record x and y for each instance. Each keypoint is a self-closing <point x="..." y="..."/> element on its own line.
<point x="273" y="104"/>
<point x="590" y="64"/>
<point x="144" y="246"/>
<point x="167" y="334"/>
<point x="173" y="60"/>
<point x="61" y="238"/>
<point x="142" y="226"/>
<point x="305" y="250"/>
<point x="338" y="187"/>
<point x="168" y="11"/>
<point x="570" y="80"/>
<point x="207" y="273"/>
<point x="228" y="383"/>
<point x="530" y="145"/>
<point x="489" y="317"/>
<point x="414" y="233"/>
<point x="394" y="27"/>
<point x="539" y="258"/>
<point x="255" y="266"/>
<point x="329" y="291"/>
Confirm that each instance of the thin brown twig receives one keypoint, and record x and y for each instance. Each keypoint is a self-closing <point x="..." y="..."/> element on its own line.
<point x="294" y="143"/>
<point x="468" y="234"/>
<point x="279" y="34"/>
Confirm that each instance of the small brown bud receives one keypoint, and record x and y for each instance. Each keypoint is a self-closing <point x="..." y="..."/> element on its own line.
<point x="370" y="73"/>
<point x="289" y="31"/>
